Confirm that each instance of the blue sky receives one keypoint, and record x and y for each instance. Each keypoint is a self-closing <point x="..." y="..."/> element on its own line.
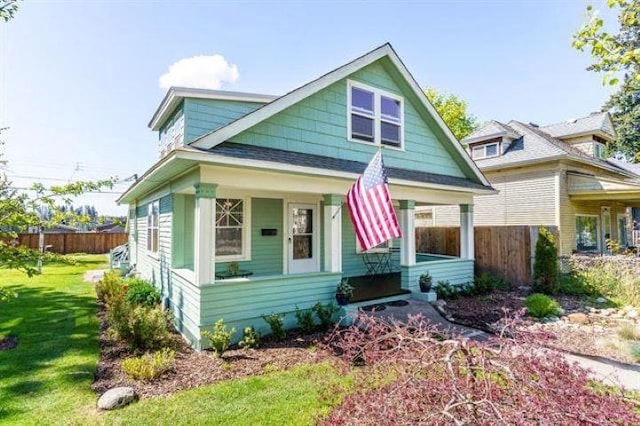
<point x="79" y="81"/>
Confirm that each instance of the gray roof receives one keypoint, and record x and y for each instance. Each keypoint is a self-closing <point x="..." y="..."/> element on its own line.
<point x="596" y="121"/>
<point x="236" y="150"/>
<point x="492" y="128"/>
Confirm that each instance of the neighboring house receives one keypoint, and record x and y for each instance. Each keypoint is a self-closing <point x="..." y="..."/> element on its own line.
<point x="553" y="175"/>
<point x="112" y="228"/>
<point x="54" y="229"/>
<point x="261" y="181"/>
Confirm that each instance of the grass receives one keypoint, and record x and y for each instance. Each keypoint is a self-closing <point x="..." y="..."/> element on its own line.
<point x="294" y="397"/>
<point x="46" y="379"/>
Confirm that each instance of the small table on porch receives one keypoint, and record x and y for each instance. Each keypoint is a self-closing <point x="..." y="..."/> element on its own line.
<point x="240" y="274"/>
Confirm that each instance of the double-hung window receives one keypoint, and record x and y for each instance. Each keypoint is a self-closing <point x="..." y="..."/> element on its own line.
<point x="375" y="116"/>
<point x="231" y="229"/>
<point x="153" y="238"/>
<point x="485" y="151"/>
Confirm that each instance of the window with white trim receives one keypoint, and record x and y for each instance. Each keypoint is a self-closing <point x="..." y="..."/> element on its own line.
<point x="485" y="151"/>
<point x="598" y="150"/>
<point x="153" y="237"/>
<point x="232" y="226"/>
<point x="375" y="116"/>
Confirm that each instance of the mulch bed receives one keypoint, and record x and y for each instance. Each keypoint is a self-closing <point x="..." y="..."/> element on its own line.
<point x="192" y="369"/>
<point x="8" y="342"/>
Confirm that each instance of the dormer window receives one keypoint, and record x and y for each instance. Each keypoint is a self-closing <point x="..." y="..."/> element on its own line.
<point x="374" y="116"/>
<point x="598" y="148"/>
<point x="485" y="151"/>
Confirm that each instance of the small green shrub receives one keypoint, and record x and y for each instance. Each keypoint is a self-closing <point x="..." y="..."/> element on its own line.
<point x="325" y="314"/>
<point x="110" y="288"/>
<point x="250" y="338"/>
<point x="545" y="267"/>
<point x="142" y="327"/>
<point x="141" y="292"/>
<point x="486" y="283"/>
<point x="541" y="306"/>
<point x="629" y="332"/>
<point x="444" y="290"/>
<point x="575" y="285"/>
<point x="148" y="367"/>
<point x="276" y="323"/>
<point x="220" y="338"/>
<point x="305" y="320"/>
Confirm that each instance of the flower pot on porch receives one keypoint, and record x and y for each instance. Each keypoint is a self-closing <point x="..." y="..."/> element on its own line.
<point x="342" y="299"/>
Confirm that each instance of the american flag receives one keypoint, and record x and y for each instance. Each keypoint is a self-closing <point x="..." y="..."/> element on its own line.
<point x="370" y="207"/>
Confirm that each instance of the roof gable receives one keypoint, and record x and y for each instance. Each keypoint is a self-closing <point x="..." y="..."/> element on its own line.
<point x="393" y="65"/>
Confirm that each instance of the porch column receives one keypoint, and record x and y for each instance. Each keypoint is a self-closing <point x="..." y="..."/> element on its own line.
<point x="205" y="236"/>
<point x="466" y="231"/>
<point x="408" y="228"/>
<point x="332" y="232"/>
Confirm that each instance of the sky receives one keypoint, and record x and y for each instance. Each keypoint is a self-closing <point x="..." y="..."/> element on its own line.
<point x="80" y="80"/>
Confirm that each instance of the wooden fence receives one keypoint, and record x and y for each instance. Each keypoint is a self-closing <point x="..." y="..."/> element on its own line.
<point x="80" y="242"/>
<point x="504" y="251"/>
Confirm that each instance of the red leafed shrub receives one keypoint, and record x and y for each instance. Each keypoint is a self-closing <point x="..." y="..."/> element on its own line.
<point x="413" y="374"/>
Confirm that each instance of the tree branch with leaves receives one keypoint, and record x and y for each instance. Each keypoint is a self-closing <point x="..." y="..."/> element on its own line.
<point x="453" y="111"/>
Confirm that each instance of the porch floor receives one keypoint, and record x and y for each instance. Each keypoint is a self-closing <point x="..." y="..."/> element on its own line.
<point x="377" y="286"/>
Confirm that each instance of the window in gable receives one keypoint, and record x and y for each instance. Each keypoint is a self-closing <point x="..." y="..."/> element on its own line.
<point x="485" y="151"/>
<point x="375" y="116"/>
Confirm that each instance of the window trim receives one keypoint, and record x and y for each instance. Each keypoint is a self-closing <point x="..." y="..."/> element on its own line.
<point x="598" y="150"/>
<point x="575" y="217"/>
<point x="150" y="227"/>
<point x="246" y="230"/>
<point x="484" y="150"/>
<point x="377" y="115"/>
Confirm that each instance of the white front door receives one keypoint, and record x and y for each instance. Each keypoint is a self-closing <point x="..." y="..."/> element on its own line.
<point x="303" y="238"/>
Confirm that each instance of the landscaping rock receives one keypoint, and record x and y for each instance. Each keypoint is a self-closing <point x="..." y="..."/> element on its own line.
<point x="601" y="300"/>
<point x="578" y="318"/>
<point x="440" y="303"/>
<point x="116" y="398"/>
<point x="632" y="313"/>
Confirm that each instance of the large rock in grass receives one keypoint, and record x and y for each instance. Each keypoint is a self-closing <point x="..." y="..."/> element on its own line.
<point x="116" y="398"/>
<point x="578" y="318"/>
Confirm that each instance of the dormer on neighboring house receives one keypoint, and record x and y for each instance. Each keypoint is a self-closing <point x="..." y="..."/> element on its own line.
<point x="491" y="140"/>
<point x="186" y="114"/>
<point x="589" y="134"/>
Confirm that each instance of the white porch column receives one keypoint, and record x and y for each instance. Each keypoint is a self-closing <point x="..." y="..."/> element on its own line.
<point x="466" y="232"/>
<point x="408" y="228"/>
<point x="205" y="236"/>
<point x="332" y="232"/>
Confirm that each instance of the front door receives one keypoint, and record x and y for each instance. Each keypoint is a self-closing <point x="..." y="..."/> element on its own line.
<point x="302" y="239"/>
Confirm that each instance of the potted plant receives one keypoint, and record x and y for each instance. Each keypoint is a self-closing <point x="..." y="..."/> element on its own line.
<point x="344" y="291"/>
<point x="425" y="282"/>
<point x="234" y="268"/>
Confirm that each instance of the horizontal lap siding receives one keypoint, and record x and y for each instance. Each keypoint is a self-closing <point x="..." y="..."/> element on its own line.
<point x="266" y="251"/>
<point x="242" y="304"/>
<point x="206" y="115"/>
<point x="318" y="125"/>
<point x="456" y="272"/>
<point x="184" y="302"/>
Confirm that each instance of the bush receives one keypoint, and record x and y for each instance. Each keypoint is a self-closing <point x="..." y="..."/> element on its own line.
<point x="545" y="267"/>
<point x="141" y="292"/>
<point x="444" y="290"/>
<point x="634" y="351"/>
<point x="250" y="338"/>
<point x="629" y="332"/>
<point x="541" y="306"/>
<point x="276" y="323"/>
<point x="325" y="314"/>
<point x="575" y="285"/>
<point x="148" y="367"/>
<point x="486" y="283"/>
<point x="141" y="327"/>
<point x="220" y="338"/>
<point x="110" y="288"/>
<point x="305" y="320"/>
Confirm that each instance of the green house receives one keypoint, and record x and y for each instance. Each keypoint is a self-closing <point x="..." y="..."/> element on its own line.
<point x="243" y="215"/>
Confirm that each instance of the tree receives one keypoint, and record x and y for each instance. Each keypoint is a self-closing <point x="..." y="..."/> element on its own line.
<point x="453" y="111"/>
<point x="8" y="9"/>
<point x="545" y="266"/>
<point x="617" y="56"/>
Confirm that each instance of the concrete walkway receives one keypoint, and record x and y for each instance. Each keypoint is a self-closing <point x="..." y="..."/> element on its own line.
<point x="95" y="275"/>
<point x="608" y="371"/>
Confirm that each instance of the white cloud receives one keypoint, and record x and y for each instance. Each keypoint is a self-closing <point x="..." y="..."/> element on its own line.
<point x="202" y="72"/>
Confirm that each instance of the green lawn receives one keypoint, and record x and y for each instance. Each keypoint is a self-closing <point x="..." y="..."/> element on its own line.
<point x="47" y="378"/>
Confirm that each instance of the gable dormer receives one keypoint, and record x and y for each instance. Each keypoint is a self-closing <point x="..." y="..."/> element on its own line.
<point x="589" y="134"/>
<point x="491" y="140"/>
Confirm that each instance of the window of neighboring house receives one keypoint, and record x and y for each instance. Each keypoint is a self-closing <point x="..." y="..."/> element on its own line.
<point x="375" y="116"/>
<point x="485" y="151"/>
<point x="231" y="229"/>
<point x="598" y="150"/>
<point x="586" y="233"/>
<point x="153" y="237"/>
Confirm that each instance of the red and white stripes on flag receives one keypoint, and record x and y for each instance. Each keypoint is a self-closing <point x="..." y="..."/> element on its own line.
<point x="370" y="206"/>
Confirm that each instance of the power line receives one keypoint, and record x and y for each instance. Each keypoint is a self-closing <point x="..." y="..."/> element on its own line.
<point x="24" y="188"/>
